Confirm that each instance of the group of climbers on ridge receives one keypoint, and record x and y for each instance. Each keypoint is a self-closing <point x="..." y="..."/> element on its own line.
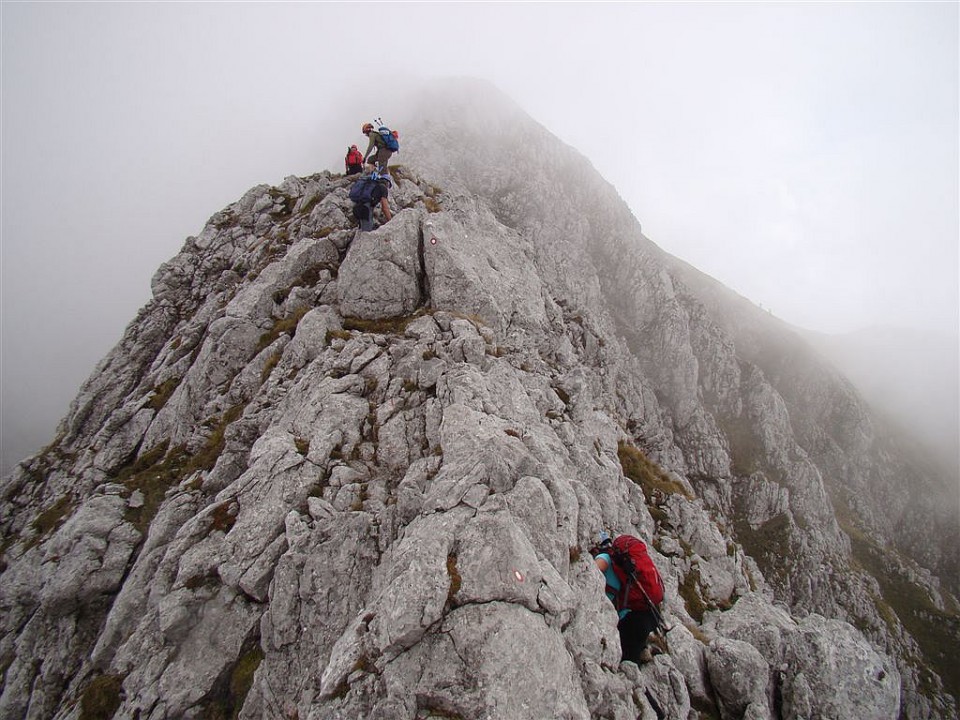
<point x="635" y="588"/>
<point x="633" y="584"/>
<point x="372" y="188"/>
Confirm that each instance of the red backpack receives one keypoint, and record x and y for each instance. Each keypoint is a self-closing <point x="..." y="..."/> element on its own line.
<point x="639" y="579"/>
<point x="354" y="156"/>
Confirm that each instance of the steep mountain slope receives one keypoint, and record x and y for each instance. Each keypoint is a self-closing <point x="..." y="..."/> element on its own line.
<point x="330" y="475"/>
<point x="690" y="331"/>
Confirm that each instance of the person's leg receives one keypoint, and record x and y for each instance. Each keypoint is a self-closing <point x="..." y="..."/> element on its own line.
<point x="364" y="215"/>
<point x="648" y="622"/>
<point x="634" y="629"/>
<point x="632" y="640"/>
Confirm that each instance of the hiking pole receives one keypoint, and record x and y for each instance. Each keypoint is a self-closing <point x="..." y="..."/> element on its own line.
<point x="661" y="623"/>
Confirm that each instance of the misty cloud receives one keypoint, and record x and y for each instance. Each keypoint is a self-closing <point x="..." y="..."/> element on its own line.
<point x="804" y="155"/>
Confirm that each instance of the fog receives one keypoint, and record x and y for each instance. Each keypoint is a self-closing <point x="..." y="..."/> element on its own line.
<point x="804" y="155"/>
<point x="912" y="379"/>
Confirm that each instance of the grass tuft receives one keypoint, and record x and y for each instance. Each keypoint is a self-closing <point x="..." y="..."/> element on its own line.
<point x="208" y="455"/>
<point x="455" y="580"/>
<point x="768" y="544"/>
<point x="269" y="366"/>
<point x="224" y="516"/>
<point x="287" y="325"/>
<point x="101" y="698"/>
<point x="388" y="326"/>
<point x="162" y="392"/>
<point x="228" y="696"/>
<point x="746" y="452"/>
<point x="336" y="335"/>
<point x="158" y="470"/>
<point x="690" y="592"/>
<point x="647" y="474"/>
<point x="47" y="522"/>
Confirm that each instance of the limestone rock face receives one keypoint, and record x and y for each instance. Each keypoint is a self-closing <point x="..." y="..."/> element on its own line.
<point x="332" y="474"/>
<point x="740" y="679"/>
<point x="382" y="276"/>
<point x="810" y="645"/>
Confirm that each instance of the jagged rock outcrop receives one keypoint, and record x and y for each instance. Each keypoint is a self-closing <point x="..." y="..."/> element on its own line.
<point x="774" y="441"/>
<point x="336" y="475"/>
<point x="792" y="656"/>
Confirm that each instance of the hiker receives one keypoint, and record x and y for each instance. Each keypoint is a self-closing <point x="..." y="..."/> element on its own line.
<point x="353" y="161"/>
<point x="635" y="588"/>
<point x="367" y="192"/>
<point x="383" y="143"/>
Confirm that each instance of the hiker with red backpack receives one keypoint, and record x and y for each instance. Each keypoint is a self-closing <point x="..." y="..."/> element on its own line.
<point x="635" y="588"/>
<point x="384" y="142"/>
<point x="353" y="161"/>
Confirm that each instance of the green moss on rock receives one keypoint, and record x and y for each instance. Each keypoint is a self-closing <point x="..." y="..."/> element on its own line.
<point x="226" y="699"/>
<point x="284" y="326"/>
<point x="162" y="392"/>
<point x="689" y="590"/>
<point x="101" y="698"/>
<point x="455" y="580"/>
<point x="47" y="522"/>
<point x="647" y="474"/>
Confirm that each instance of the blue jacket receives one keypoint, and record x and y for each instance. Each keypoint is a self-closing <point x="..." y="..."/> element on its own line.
<point x="613" y="582"/>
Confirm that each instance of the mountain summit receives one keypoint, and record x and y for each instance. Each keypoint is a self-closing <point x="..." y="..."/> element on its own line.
<point x="330" y="474"/>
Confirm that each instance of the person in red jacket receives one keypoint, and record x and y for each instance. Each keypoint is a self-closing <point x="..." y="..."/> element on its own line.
<point x="353" y="161"/>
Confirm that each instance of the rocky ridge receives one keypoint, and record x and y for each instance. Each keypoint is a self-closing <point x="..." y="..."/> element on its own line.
<point x="331" y="475"/>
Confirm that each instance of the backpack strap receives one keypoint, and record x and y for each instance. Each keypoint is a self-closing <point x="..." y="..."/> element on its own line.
<point x="619" y="595"/>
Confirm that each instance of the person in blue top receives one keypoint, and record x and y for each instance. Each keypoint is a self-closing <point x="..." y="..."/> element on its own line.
<point x="634" y="626"/>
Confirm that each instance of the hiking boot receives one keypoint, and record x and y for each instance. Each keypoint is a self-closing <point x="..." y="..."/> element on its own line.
<point x="646" y="655"/>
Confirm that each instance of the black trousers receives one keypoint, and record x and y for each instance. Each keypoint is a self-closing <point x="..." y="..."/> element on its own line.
<point x="634" y="628"/>
<point x="364" y="213"/>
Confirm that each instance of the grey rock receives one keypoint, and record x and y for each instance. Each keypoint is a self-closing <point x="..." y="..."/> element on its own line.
<point x="380" y="277"/>
<point x="329" y="474"/>
<point x="833" y="671"/>
<point x="476" y="266"/>
<point x="740" y="677"/>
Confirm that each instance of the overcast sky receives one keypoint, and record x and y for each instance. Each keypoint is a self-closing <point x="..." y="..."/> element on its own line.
<point x="804" y="154"/>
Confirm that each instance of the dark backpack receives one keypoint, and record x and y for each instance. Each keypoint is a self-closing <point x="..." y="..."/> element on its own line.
<point x="362" y="190"/>
<point x="390" y="138"/>
<point x="637" y="574"/>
